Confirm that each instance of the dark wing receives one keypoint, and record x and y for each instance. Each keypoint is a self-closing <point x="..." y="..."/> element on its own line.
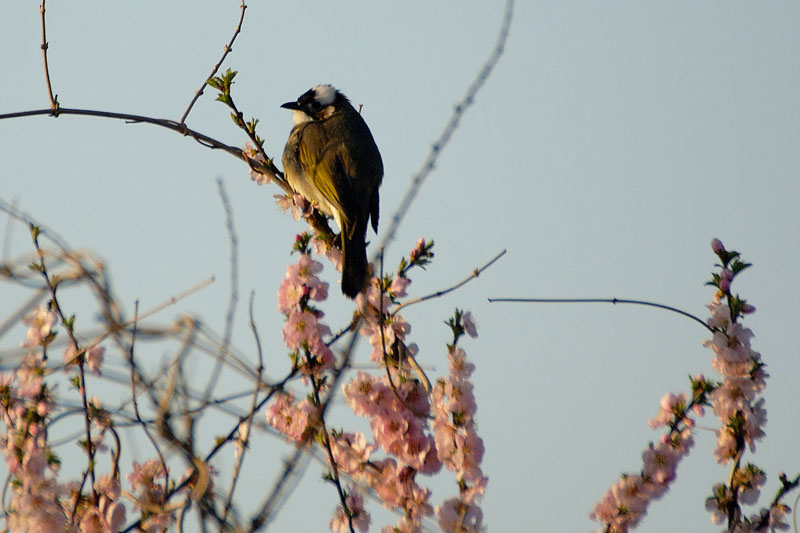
<point x="345" y="165"/>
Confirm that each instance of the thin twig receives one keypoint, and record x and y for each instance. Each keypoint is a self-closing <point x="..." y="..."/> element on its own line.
<point x="267" y="164"/>
<point x="9" y="231"/>
<point x="228" y="47"/>
<point x="234" y="294"/>
<point x="281" y="490"/>
<point x="53" y="99"/>
<point x="172" y="300"/>
<point x="220" y="443"/>
<point x="132" y="363"/>
<point x="452" y="124"/>
<point x="326" y="441"/>
<point x="601" y="301"/>
<point x="244" y="434"/>
<point x="69" y="327"/>
<point x="438" y="294"/>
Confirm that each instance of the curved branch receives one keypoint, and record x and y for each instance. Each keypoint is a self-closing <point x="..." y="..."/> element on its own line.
<point x="205" y="140"/>
<point x="602" y="301"/>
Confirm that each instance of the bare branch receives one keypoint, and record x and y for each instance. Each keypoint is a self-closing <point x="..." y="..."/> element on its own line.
<point x="438" y="294"/>
<point x="266" y="167"/>
<point x="53" y="99"/>
<point x="244" y="431"/>
<point x="452" y="124"/>
<point x="134" y="371"/>
<point x="227" y="50"/>
<point x="601" y="301"/>
<point x="234" y="289"/>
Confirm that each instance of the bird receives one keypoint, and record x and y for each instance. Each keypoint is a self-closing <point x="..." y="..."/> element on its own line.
<point x="331" y="160"/>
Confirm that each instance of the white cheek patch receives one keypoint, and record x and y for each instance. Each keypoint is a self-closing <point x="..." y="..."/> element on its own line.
<point x="298" y="117"/>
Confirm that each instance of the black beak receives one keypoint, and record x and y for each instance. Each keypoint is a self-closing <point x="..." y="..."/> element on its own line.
<point x="291" y="105"/>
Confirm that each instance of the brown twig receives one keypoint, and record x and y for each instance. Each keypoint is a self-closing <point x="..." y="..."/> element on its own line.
<point x="438" y="294"/>
<point x="326" y="441"/>
<point x="228" y="47"/>
<point x="68" y="324"/>
<point x="132" y="363"/>
<point x="452" y="124"/>
<point x="53" y="99"/>
<point x="205" y="140"/>
<point x="244" y="439"/>
<point x="234" y="290"/>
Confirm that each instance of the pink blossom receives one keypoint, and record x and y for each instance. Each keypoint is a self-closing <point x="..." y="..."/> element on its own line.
<point x="456" y="516"/>
<point x="633" y="493"/>
<point x="475" y="492"/>
<point x="284" y="202"/>
<point x="301" y="280"/>
<point x="29" y="376"/>
<point x="254" y="155"/>
<point x="40" y="323"/>
<point x="361" y="518"/>
<point x="415" y="502"/>
<point x="399" y="286"/>
<point x="334" y="255"/>
<point x="367" y="395"/>
<point x="115" y="515"/>
<point x="389" y="428"/>
<point x="720" y="313"/>
<point x="351" y="451"/>
<point x="726" y="445"/>
<point x="94" y="358"/>
<point x="735" y="394"/>
<point x="469" y="325"/>
<point x="777" y="516"/>
<point x="748" y="309"/>
<point x="660" y="461"/>
<point x="93" y="521"/>
<point x="717" y="504"/>
<point x="413" y="395"/>
<point x="291" y="420"/>
<point x="389" y="486"/>
<point x="143" y="479"/>
<point x="671" y="405"/>
<point x="158" y="523"/>
<point x="108" y="486"/>
<point x="300" y="330"/>
<point x="755" y="420"/>
<point x="717" y="246"/>
<point x="35" y="507"/>
<point x="460" y="367"/>
<point x="319" y="246"/>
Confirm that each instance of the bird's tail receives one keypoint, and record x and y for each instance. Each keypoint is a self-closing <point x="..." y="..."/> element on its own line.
<point x="354" y="260"/>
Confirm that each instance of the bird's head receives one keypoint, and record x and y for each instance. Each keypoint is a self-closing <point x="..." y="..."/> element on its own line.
<point x="316" y="103"/>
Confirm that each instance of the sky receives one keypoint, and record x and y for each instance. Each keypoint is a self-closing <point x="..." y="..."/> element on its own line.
<point x="611" y="143"/>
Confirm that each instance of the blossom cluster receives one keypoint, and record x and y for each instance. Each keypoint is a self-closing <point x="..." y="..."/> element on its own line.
<point x="734" y="401"/>
<point x="38" y="500"/>
<point x="303" y="333"/>
<point x="457" y="442"/>
<point x="626" y="502"/>
<point x="400" y="409"/>
<point x="416" y="428"/>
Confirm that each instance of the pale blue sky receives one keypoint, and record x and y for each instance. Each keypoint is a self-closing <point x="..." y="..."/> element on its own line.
<point x="613" y="141"/>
